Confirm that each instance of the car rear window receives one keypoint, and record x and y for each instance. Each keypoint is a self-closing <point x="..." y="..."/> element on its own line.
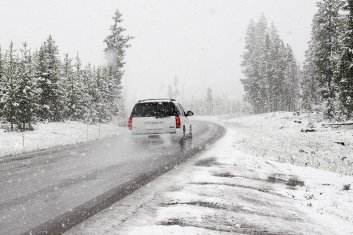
<point x="155" y="109"/>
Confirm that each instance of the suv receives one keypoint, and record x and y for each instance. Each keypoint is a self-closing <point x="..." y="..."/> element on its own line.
<point x="155" y="117"/>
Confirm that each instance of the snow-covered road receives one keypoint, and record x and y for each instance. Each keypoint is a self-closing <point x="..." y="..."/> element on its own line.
<point x="52" y="192"/>
<point x="227" y="191"/>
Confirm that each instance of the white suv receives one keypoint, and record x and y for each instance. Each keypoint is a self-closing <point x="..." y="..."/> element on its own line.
<point x="155" y="117"/>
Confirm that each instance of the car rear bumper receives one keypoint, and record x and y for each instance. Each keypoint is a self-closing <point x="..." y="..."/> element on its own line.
<point x="176" y="134"/>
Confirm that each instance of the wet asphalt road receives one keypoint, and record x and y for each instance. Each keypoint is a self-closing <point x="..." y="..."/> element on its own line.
<point x="48" y="193"/>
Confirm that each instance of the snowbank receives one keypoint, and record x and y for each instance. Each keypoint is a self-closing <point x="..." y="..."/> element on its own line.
<point x="298" y="139"/>
<point x="52" y="135"/>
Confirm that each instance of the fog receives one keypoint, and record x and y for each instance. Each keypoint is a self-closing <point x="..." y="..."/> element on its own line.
<point x="198" y="41"/>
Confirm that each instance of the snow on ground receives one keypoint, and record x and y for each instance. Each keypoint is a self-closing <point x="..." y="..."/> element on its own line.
<point x="227" y="191"/>
<point x="54" y="134"/>
<point x="217" y="118"/>
<point x="284" y="137"/>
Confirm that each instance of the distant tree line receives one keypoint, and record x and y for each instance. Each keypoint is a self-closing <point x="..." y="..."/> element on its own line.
<point x="271" y="80"/>
<point x="39" y="86"/>
<point x="213" y="105"/>
<point x="205" y="105"/>
<point x="328" y="70"/>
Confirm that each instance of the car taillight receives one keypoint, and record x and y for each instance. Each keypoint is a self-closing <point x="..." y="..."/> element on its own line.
<point x="130" y="123"/>
<point x="177" y="121"/>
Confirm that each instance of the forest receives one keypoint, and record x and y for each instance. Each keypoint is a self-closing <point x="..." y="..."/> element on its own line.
<point x="275" y="81"/>
<point x="37" y="85"/>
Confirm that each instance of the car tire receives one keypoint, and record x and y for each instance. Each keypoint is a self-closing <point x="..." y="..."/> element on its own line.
<point x="183" y="137"/>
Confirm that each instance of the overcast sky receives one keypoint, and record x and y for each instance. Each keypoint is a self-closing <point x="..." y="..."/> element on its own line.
<point x="198" y="41"/>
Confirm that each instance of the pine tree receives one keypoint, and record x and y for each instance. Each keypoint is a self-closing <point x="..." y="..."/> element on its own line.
<point x="76" y="96"/>
<point x="325" y="50"/>
<point x="9" y="89"/>
<point x="116" y="44"/>
<point x="67" y="84"/>
<point x="103" y="94"/>
<point x="261" y="65"/>
<point x="269" y="73"/>
<point x="271" y="76"/>
<point x="93" y="94"/>
<point x="56" y="102"/>
<point x="85" y="97"/>
<point x="27" y="94"/>
<point x="309" y="83"/>
<point x="43" y="83"/>
<point x="48" y="72"/>
<point x="77" y="101"/>
<point x="278" y="61"/>
<point x="291" y="82"/>
<point x="344" y="73"/>
<point x="250" y="82"/>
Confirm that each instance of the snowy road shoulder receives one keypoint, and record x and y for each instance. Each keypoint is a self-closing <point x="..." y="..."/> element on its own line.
<point x="54" y="134"/>
<point x="227" y="191"/>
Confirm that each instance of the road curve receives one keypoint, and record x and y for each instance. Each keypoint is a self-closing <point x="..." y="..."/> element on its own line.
<point x="48" y="193"/>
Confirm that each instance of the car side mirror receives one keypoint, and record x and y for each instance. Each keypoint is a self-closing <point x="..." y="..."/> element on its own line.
<point x="189" y="113"/>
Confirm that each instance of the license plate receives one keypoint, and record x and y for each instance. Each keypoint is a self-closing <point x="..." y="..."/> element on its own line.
<point x="153" y="125"/>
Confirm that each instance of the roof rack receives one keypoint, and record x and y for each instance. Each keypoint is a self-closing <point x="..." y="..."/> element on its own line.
<point x="156" y="99"/>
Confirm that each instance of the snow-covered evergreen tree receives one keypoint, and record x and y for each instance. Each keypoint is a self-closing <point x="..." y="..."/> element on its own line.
<point x="276" y="66"/>
<point x="116" y="44"/>
<point x="85" y="97"/>
<point x="27" y="92"/>
<point x="309" y="83"/>
<point x="77" y="101"/>
<point x="103" y="94"/>
<point x="93" y="94"/>
<point x="291" y="82"/>
<point x="67" y="83"/>
<point x="325" y="50"/>
<point x="261" y="65"/>
<point x="344" y="72"/>
<point x="270" y="69"/>
<point x="9" y="89"/>
<point x="250" y="82"/>
<point x="279" y="60"/>
<point x="269" y="73"/>
<point x="48" y="72"/>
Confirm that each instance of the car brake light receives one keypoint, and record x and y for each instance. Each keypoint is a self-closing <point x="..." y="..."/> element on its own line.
<point x="130" y="123"/>
<point x="177" y="121"/>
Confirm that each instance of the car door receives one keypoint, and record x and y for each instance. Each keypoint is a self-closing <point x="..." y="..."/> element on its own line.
<point x="185" y="119"/>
